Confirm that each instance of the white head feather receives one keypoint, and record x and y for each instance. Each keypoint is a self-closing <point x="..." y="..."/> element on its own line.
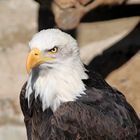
<point x="61" y="80"/>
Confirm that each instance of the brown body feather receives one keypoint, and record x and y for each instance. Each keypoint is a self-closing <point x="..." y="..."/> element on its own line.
<point x="102" y="114"/>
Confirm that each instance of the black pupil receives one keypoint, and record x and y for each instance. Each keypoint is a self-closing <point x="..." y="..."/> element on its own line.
<point x="54" y="49"/>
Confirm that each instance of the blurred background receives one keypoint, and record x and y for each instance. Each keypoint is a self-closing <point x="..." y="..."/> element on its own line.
<point x="108" y="33"/>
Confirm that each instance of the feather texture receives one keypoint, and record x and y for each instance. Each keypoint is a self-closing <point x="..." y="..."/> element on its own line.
<point x="101" y="114"/>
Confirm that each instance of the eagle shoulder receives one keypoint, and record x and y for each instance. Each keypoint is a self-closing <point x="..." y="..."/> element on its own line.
<point x="94" y="116"/>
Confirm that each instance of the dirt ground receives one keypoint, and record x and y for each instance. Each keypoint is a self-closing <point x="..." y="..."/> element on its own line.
<point x="18" y="24"/>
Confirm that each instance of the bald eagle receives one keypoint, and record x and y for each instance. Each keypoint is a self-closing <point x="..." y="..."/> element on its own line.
<point x="61" y="100"/>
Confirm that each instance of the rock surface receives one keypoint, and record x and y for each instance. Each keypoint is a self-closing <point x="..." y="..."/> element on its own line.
<point x="12" y="132"/>
<point x="18" y="24"/>
<point x="126" y="79"/>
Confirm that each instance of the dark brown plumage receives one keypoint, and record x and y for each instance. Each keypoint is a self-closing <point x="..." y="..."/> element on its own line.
<point x="102" y="114"/>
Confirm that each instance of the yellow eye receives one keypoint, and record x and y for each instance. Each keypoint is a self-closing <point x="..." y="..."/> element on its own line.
<point x="54" y="50"/>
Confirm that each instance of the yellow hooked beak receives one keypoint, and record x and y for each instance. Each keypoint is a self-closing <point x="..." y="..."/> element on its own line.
<point x="35" y="58"/>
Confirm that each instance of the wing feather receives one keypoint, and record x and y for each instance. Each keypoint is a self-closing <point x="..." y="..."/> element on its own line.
<point x="26" y="112"/>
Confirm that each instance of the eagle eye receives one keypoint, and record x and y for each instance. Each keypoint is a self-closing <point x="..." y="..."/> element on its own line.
<point x="53" y="50"/>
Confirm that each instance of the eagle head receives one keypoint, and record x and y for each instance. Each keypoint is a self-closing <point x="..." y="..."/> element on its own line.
<point x="55" y="68"/>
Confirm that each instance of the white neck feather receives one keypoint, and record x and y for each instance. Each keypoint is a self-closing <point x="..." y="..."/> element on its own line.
<point x="57" y="85"/>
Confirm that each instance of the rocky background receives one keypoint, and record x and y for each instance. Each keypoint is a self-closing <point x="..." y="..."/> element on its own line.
<point x="18" y="24"/>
